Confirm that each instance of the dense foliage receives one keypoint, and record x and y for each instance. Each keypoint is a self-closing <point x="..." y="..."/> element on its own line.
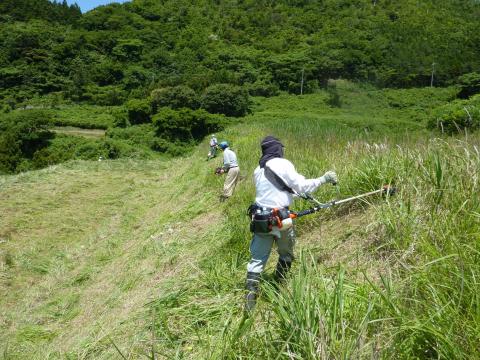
<point x="54" y="11"/>
<point x="21" y="135"/>
<point x="226" y="99"/>
<point x="469" y="85"/>
<point x="185" y="125"/>
<point x="117" y="52"/>
<point x="457" y="116"/>
<point x="160" y="71"/>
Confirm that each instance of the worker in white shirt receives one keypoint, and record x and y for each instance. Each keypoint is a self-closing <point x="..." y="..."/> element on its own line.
<point x="230" y="167"/>
<point x="276" y="180"/>
<point x="213" y="147"/>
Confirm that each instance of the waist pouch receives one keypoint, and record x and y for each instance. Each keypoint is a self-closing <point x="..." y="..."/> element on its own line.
<point x="264" y="219"/>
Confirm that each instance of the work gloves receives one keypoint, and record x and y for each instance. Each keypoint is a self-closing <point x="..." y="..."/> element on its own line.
<point x="329" y="177"/>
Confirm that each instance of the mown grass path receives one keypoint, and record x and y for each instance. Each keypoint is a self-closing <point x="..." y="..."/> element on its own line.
<point x="88" y="245"/>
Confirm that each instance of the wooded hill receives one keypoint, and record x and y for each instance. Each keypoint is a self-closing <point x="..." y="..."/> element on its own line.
<point x="118" y="52"/>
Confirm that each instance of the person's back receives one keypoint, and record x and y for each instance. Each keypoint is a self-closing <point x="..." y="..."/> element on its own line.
<point x="275" y="182"/>
<point x="230" y="166"/>
<point x="213" y="141"/>
<point x="229" y="158"/>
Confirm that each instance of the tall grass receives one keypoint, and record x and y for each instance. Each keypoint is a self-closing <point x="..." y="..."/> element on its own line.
<point x="159" y="272"/>
<point x="422" y="302"/>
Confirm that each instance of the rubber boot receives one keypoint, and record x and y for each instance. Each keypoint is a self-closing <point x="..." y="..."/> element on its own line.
<point x="253" y="282"/>
<point x="283" y="268"/>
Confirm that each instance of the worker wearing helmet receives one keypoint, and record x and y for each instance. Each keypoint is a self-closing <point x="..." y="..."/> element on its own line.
<point x="276" y="180"/>
<point x="230" y="167"/>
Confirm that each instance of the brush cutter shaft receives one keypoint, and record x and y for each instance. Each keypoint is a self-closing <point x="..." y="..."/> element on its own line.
<point x="337" y="202"/>
<point x="319" y="206"/>
<point x="305" y="212"/>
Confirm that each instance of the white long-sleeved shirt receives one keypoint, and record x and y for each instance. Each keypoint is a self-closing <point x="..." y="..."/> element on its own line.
<point x="269" y="196"/>
<point x="213" y="141"/>
<point x="229" y="159"/>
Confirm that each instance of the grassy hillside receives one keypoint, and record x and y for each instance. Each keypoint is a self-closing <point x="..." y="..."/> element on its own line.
<point x="138" y="259"/>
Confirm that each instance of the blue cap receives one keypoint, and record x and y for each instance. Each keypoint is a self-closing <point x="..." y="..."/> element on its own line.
<point x="223" y="145"/>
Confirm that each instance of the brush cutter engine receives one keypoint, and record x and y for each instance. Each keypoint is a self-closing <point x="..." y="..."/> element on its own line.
<point x="264" y="219"/>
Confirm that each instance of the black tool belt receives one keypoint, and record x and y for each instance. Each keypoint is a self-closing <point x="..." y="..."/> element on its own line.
<point x="263" y="219"/>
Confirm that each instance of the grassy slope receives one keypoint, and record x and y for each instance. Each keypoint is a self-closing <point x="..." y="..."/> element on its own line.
<point x="142" y="257"/>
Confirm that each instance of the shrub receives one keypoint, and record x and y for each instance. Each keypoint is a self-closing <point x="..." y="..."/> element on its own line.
<point x="118" y="149"/>
<point x="333" y="94"/>
<point x="85" y="116"/>
<point x="5" y="108"/>
<point x="185" y="125"/>
<point x="64" y="147"/>
<point x="137" y="135"/>
<point x="226" y="99"/>
<point x="174" y="97"/>
<point x="120" y="117"/>
<point x="171" y="148"/>
<point x="457" y="116"/>
<point x="469" y="85"/>
<point x="22" y="133"/>
<point x="108" y="96"/>
<point x="138" y="111"/>
<point x="261" y="88"/>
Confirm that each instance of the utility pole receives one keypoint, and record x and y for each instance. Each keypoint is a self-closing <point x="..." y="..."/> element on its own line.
<point x="301" y="84"/>
<point x="433" y="72"/>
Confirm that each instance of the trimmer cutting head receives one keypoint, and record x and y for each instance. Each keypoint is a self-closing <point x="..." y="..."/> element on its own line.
<point x="389" y="190"/>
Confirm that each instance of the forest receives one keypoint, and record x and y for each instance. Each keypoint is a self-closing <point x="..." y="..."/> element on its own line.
<point x="128" y="61"/>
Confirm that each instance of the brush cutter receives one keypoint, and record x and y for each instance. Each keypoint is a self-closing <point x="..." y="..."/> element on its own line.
<point x="263" y="219"/>
<point x="386" y="190"/>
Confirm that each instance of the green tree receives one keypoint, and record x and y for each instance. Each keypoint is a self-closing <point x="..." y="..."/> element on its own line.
<point x="469" y="85"/>
<point x="175" y="97"/>
<point x="138" y="111"/>
<point x="226" y="99"/>
<point x="22" y="133"/>
<point x="185" y="125"/>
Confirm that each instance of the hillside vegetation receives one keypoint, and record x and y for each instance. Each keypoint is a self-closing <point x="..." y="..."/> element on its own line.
<point x="159" y="76"/>
<point x="52" y="54"/>
<point x="138" y="259"/>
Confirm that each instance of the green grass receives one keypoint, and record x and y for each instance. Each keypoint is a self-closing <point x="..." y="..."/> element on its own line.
<point x="135" y="259"/>
<point x="85" y="116"/>
<point x="76" y="131"/>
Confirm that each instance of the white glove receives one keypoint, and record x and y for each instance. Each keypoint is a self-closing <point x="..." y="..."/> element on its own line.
<point x="329" y="177"/>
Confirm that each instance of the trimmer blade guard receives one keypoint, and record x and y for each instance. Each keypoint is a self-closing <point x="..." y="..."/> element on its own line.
<point x="389" y="190"/>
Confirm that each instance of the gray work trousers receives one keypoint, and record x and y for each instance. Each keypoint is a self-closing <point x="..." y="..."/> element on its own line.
<point x="261" y="247"/>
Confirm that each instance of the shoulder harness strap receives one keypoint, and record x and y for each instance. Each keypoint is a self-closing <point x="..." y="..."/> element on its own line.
<point x="276" y="180"/>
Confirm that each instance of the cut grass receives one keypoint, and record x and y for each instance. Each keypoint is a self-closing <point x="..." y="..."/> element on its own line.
<point x="138" y="258"/>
